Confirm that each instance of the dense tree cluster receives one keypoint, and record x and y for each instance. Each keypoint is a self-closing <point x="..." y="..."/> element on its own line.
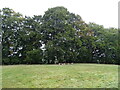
<point x="56" y="37"/>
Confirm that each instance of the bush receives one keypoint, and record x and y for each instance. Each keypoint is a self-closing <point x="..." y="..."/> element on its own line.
<point x="34" y="57"/>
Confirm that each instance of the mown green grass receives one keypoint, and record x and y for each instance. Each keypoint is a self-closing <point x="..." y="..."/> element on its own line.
<point x="60" y="76"/>
<point x="0" y="77"/>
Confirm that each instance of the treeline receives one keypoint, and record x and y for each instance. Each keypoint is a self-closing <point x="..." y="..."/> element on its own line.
<point x="58" y="36"/>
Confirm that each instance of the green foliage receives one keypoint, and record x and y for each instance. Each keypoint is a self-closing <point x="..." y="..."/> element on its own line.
<point x="56" y="37"/>
<point x="34" y="57"/>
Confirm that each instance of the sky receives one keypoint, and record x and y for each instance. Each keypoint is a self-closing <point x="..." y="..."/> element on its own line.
<point x="102" y="12"/>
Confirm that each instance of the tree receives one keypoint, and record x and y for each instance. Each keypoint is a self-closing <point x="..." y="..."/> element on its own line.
<point x="62" y="32"/>
<point x="106" y="44"/>
<point x="20" y="35"/>
<point x="11" y="25"/>
<point x="56" y="37"/>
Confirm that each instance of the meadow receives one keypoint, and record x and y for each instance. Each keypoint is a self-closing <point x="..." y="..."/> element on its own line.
<point x="60" y="76"/>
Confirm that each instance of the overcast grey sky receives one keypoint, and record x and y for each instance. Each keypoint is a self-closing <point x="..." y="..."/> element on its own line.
<point x="103" y="12"/>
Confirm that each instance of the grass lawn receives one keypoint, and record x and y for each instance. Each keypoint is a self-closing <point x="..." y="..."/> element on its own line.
<point x="60" y="76"/>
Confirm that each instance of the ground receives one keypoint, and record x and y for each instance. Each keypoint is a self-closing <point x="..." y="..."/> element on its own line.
<point x="60" y="76"/>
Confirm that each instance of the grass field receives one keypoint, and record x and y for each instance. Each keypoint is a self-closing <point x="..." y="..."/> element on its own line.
<point x="60" y="76"/>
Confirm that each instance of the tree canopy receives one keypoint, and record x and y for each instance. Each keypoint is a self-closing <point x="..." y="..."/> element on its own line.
<point x="58" y="36"/>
